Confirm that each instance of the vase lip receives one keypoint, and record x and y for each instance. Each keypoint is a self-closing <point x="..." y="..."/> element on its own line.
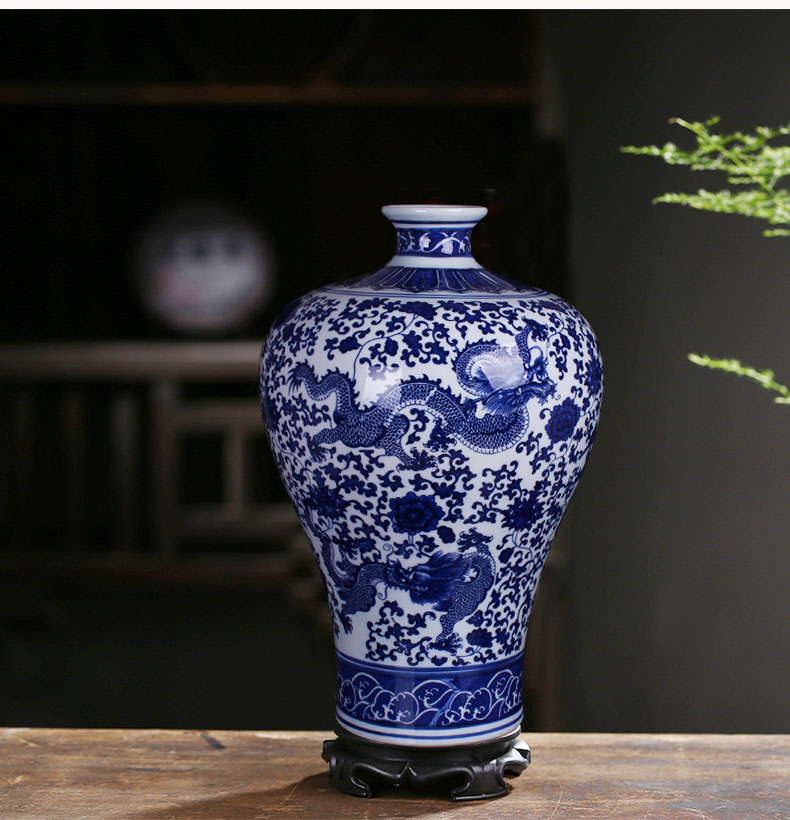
<point x="459" y="215"/>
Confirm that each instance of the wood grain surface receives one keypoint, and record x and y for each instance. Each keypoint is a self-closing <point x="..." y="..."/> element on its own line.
<point x="60" y="774"/>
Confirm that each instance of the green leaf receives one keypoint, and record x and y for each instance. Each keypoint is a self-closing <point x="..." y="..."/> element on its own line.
<point x="765" y="378"/>
<point x="747" y="160"/>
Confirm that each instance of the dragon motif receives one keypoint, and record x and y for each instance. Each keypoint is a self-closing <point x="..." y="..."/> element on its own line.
<point x="502" y="380"/>
<point x="453" y="583"/>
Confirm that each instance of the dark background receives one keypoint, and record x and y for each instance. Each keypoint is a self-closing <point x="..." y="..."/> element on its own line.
<point x="82" y="181"/>
<point x="681" y="564"/>
<point x="674" y="599"/>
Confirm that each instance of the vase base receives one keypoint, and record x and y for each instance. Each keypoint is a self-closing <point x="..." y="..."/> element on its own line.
<point x="473" y="772"/>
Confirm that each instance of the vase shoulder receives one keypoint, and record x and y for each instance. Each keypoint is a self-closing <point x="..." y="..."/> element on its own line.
<point x="446" y="280"/>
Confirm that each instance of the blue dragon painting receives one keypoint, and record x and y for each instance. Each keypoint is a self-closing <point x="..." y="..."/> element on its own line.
<point x="453" y="583"/>
<point x="502" y="380"/>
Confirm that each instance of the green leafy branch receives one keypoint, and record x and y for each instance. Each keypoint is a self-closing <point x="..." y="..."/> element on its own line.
<point x="765" y="378"/>
<point x="748" y="160"/>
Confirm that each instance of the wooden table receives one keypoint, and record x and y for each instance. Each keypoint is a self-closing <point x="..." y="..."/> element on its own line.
<point x="60" y="774"/>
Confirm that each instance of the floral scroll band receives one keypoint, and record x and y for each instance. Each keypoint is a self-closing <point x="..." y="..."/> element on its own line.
<point x="436" y="242"/>
<point x="429" y="698"/>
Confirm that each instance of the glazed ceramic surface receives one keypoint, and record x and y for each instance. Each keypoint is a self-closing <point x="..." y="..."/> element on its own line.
<point x="430" y="421"/>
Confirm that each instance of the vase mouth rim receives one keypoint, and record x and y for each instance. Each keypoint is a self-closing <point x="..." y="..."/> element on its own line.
<point x="447" y="214"/>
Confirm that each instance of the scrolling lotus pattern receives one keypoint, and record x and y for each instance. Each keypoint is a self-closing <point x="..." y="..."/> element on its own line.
<point x="435" y="243"/>
<point x="377" y="406"/>
<point x="430" y="699"/>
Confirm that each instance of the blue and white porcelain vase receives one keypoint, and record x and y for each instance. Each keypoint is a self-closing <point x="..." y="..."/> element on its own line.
<point x="430" y="422"/>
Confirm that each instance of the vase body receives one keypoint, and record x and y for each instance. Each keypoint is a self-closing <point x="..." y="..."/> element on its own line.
<point x="430" y="422"/>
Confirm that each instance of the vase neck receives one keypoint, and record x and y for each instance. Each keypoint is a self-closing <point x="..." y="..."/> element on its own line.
<point x="434" y="236"/>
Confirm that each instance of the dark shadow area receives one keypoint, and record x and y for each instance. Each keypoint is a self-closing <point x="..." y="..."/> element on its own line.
<point x="313" y="799"/>
<point x="133" y="654"/>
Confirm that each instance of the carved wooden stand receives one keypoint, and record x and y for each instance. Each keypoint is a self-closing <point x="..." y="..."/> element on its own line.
<point x="471" y="772"/>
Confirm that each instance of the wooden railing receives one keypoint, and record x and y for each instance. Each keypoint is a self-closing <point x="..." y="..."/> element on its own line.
<point x="147" y="410"/>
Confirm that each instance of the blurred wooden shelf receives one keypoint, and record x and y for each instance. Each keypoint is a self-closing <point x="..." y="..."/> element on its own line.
<point x="131" y="360"/>
<point x="261" y="570"/>
<point x="262" y="94"/>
